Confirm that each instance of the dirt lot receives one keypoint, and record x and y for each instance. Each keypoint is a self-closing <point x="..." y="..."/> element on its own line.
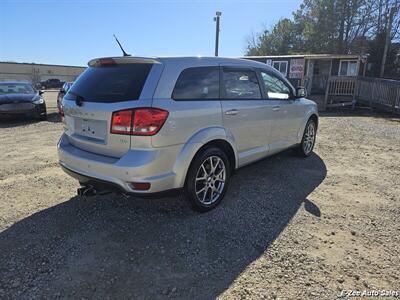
<point x="288" y="227"/>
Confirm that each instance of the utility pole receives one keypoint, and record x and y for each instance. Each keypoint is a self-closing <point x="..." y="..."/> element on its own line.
<point x="216" y="20"/>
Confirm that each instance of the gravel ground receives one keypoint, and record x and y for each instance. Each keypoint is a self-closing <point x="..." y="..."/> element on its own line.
<point x="287" y="228"/>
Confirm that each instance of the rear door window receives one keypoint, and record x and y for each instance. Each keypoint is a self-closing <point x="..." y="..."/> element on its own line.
<point x="110" y="83"/>
<point x="241" y="84"/>
<point x="197" y="83"/>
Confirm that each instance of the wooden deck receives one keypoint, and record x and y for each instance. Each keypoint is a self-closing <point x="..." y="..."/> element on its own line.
<point x="381" y="94"/>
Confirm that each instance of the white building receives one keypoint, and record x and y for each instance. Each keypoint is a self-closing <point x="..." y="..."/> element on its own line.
<point x="38" y="72"/>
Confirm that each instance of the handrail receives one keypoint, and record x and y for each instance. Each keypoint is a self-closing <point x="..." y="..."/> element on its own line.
<point x="375" y="92"/>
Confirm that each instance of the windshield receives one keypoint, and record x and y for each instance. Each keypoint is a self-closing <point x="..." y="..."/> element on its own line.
<point x="67" y="86"/>
<point x="16" y="88"/>
<point x="110" y="84"/>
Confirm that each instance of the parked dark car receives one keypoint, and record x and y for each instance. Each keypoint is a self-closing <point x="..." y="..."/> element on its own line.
<point x="62" y="93"/>
<point x="51" y="84"/>
<point x="20" y="98"/>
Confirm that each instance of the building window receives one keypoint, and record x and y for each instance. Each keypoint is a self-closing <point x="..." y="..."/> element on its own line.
<point x="348" y="68"/>
<point x="281" y="66"/>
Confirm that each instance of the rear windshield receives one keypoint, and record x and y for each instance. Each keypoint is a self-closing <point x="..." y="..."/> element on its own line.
<point x="110" y="83"/>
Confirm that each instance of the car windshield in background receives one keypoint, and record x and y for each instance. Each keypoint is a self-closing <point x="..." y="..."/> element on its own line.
<point x="16" y="88"/>
<point x="111" y="83"/>
<point x="68" y="86"/>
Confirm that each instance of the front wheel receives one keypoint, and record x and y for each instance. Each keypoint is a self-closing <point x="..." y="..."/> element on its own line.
<point x="308" y="141"/>
<point x="207" y="179"/>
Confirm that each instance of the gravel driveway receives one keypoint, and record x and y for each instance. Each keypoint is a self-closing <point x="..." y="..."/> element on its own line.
<point x="287" y="228"/>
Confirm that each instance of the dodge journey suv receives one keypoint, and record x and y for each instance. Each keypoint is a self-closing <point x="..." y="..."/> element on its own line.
<point x="148" y="125"/>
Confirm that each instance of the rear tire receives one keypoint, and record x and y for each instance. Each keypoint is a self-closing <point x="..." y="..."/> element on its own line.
<point x="207" y="179"/>
<point x="308" y="141"/>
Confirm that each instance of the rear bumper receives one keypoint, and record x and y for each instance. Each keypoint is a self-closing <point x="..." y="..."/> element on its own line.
<point x="108" y="186"/>
<point x="155" y="166"/>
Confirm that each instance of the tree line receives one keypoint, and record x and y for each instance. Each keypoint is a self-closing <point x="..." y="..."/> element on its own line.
<point x="365" y="27"/>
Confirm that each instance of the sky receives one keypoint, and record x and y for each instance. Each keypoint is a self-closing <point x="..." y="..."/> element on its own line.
<point x="71" y="32"/>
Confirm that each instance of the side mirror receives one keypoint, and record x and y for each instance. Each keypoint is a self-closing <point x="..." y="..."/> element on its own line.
<point x="301" y="92"/>
<point x="41" y="93"/>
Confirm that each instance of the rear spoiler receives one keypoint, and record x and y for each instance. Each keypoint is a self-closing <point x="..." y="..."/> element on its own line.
<point x="107" y="61"/>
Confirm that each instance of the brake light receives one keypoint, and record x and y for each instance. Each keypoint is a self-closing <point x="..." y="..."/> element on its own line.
<point x="107" y="62"/>
<point x="121" y="122"/>
<point x="140" y="121"/>
<point x="148" y="121"/>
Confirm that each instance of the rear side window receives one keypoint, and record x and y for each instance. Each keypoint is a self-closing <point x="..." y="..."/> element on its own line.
<point x="197" y="83"/>
<point x="111" y="83"/>
<point x="241" y="84"/>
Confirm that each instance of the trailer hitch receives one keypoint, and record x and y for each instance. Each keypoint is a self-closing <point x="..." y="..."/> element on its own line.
<point x="89" y="191"/>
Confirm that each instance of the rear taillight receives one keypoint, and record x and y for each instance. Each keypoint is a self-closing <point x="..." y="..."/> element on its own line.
<point x="61" y="110"/>
<point x="140" y="121"/>
<point x="121" y="122"/>
<point x="148" y="121"/>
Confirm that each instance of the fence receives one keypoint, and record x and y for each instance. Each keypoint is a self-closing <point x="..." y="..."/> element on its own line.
<point x="377" y="93"/>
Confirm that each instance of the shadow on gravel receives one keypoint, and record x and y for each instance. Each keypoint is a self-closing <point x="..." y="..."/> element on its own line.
<point x="21" y="120"/>
<point x="110" y="247"/>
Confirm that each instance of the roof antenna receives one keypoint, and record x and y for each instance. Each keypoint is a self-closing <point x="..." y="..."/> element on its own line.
<point x="122" y="49"/>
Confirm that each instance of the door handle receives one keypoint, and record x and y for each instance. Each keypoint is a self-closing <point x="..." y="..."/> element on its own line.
<point x="276" y="107"/>
<point x="232" y="112"/>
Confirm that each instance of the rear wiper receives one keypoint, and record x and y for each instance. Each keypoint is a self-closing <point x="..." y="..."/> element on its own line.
<point x="78" y="98"/>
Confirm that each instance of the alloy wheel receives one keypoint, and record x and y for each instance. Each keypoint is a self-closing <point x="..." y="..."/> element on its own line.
<point x="309" y="138"/>
<point x="210" y="180"/>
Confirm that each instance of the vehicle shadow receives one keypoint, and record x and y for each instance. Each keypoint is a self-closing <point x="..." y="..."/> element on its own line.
<point x="21" y="120"/>
<point x="111" y="247"/>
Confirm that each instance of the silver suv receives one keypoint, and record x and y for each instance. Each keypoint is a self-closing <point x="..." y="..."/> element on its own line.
<point x="148" y="125"/>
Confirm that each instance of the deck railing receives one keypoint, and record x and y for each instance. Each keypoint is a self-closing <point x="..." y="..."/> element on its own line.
<point x="374" y="92"/>
<point x="379" y="93"/>
<point x="340" y="87"/>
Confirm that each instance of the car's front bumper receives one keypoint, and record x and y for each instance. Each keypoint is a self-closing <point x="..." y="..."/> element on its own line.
<point x="154" y="166"/>
<point x="22" y="108"/>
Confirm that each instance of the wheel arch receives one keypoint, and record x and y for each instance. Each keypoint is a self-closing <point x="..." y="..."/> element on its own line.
<point x="196" y="145"/>
<point x="221" y="144"/>
<point x="315" y="118"/>
<point x="224" y="146"/>
<point x="311" y="116"/>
